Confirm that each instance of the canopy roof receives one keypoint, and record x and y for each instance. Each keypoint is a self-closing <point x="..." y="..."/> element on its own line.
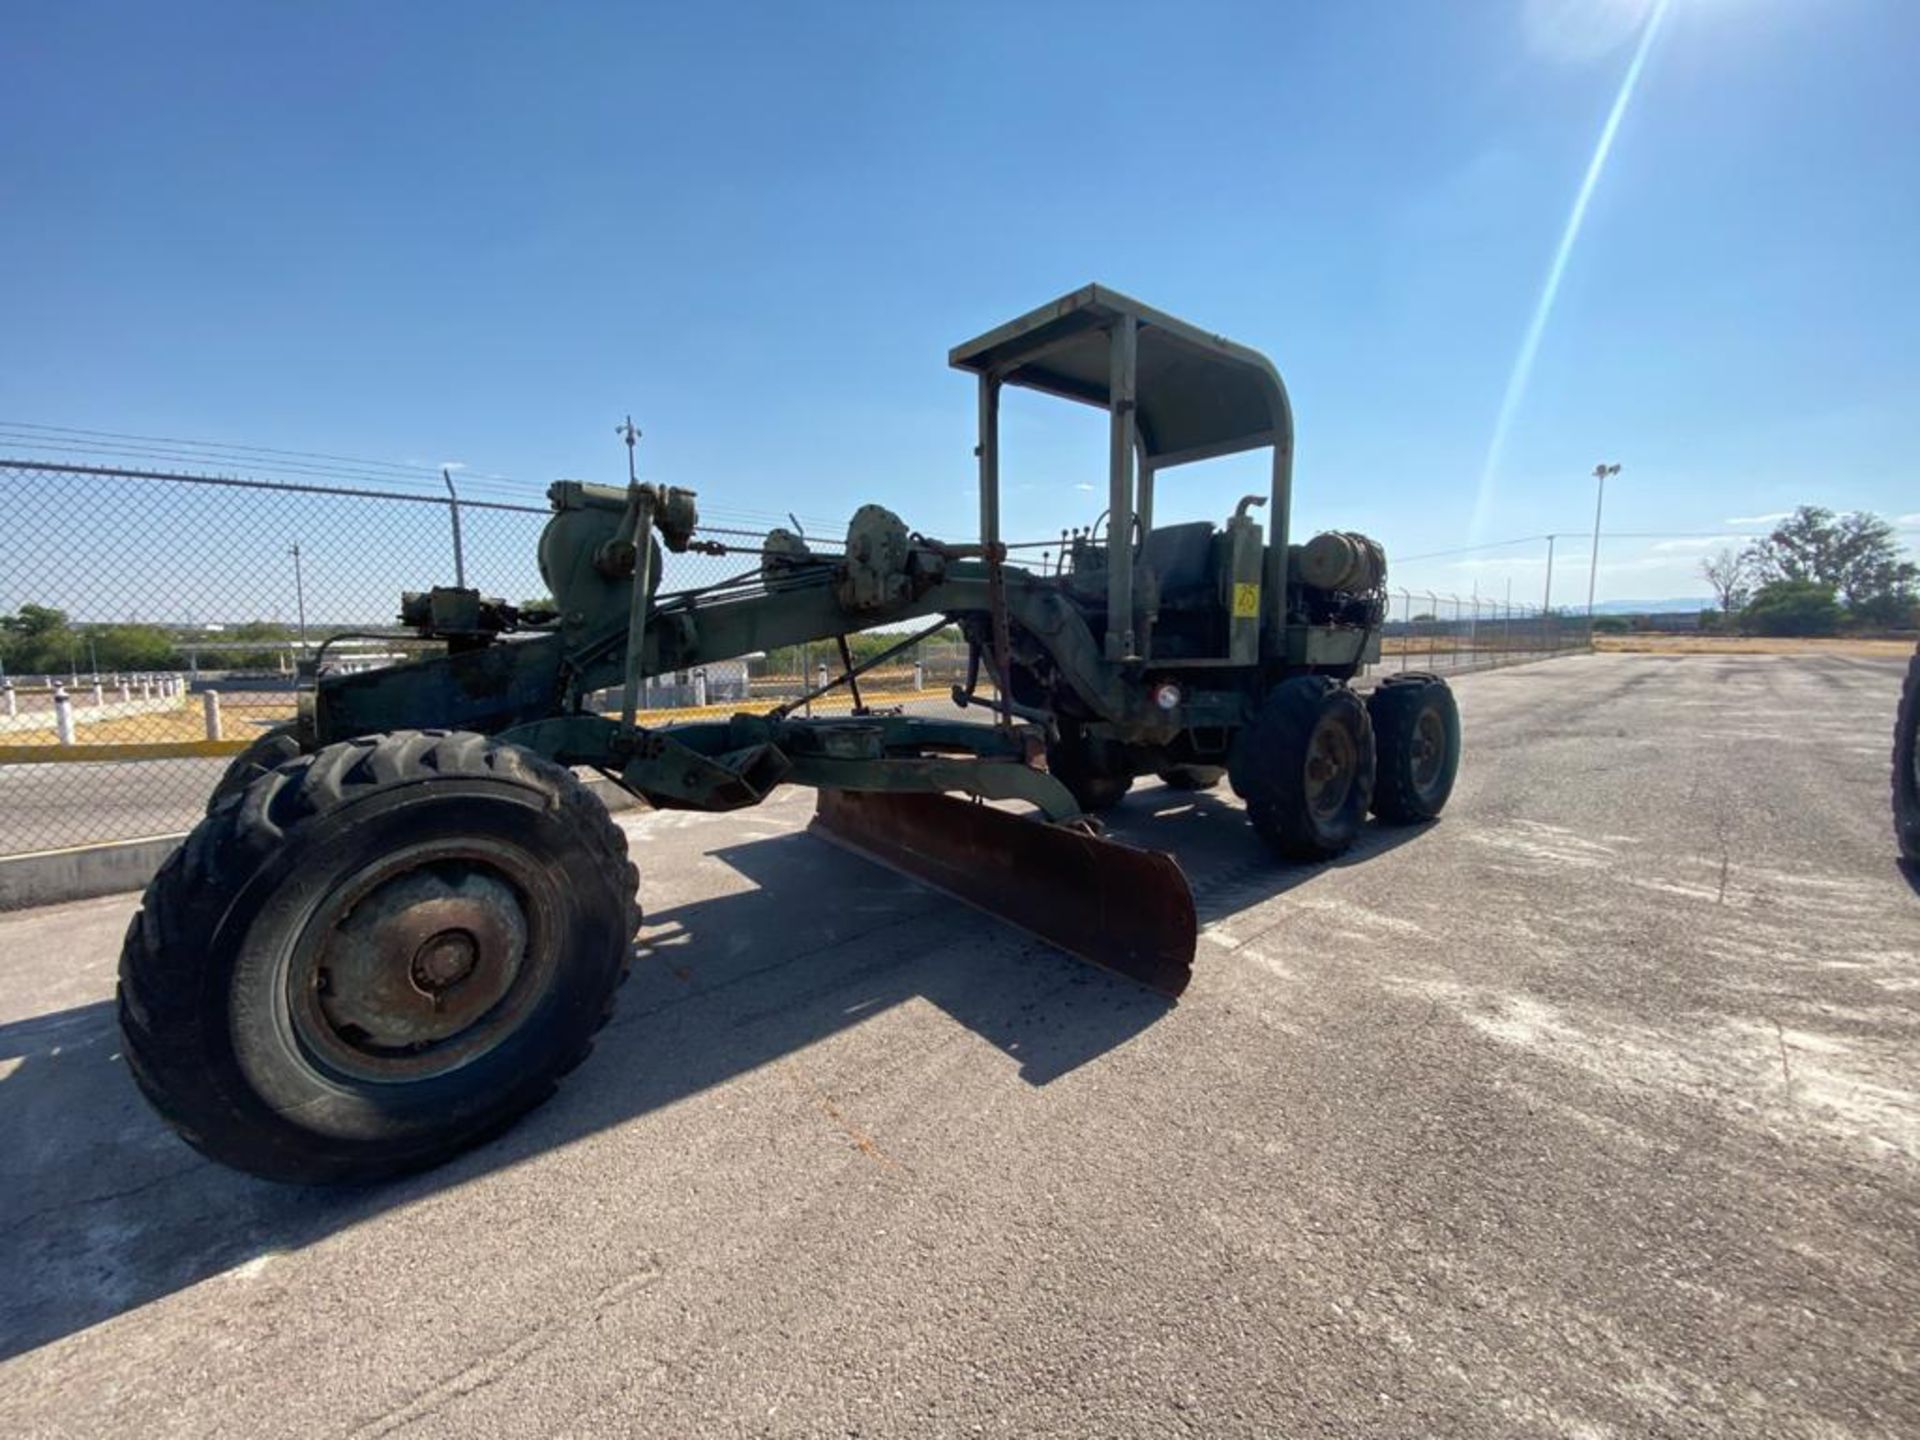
<point x="1197" y="395"/>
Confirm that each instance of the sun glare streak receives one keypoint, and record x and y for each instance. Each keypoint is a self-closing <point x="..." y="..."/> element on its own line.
<point x="1522" y="373"/>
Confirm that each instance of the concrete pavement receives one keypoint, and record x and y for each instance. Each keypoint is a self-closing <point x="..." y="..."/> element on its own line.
<point x="1590" y="1110"/>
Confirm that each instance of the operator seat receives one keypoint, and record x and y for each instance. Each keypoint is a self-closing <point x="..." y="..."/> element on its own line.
<point x="1181" y="555"/>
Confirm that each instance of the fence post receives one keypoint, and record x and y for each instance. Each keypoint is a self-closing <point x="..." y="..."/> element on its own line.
<point x="459" y="550"/>
<point x="62" y="715"/>
<point x="210" y="708"/>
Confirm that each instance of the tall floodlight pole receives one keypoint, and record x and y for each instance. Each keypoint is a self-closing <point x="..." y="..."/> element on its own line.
<point x="1600" y="474"/>
<point x="1546" y="603"/>
<point x="299" y="595"/>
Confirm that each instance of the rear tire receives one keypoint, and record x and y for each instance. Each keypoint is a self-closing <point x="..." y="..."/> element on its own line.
<point x="1906" y="764"/>
<point x="1305" y="768"/>
<point x="376" y="956"/>
<point x="1416" y="733"/>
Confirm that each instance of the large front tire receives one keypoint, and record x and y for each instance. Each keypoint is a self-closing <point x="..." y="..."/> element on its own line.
<point x="1305" y="768"/>
<point x="376" y="956"/>
<point x="269" y="751"/>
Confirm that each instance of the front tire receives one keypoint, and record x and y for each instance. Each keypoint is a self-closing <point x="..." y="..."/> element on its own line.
<point x="1416" y="731"/>
<point x="269" y="751"/>
<point x="1305" y="768"/>
<point x="376" y="956"/>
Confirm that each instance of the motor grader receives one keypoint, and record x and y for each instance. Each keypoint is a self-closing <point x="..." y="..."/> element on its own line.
<point x="404" y="918"/>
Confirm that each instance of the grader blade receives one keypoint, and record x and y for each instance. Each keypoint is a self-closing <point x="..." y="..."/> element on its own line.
<point x="1125" y="909"/>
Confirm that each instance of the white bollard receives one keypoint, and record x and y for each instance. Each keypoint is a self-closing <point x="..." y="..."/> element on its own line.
<point x="99" y="696"/>
<point x="146" y="688"/>
<point x="124" y="694"/>
<point x="13" y="705"/>
<point x="62" y="716"/>
<point x="699" y="687"/>
<point x="919" y="675"/>
<point x="210" y="707"/>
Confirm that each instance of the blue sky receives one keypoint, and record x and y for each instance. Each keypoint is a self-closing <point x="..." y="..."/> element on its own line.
<point x="483" y="233"/>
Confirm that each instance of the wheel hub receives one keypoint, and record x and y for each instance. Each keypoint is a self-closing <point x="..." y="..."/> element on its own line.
<point x="1332" y="759"/>
<point x="1428" y="749"/>
<point x="416" y="961"/>
<point x="445" y="960"/>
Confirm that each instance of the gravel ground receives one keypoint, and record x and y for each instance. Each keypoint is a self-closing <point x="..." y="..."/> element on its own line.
<point x="1590" y="1110"/>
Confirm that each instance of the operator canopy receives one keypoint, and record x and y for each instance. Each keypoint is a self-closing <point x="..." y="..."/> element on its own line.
<point x="1197" y="395"/>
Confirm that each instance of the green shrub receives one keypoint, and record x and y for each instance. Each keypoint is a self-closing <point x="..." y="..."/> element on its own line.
<point x="1792" y="607"/>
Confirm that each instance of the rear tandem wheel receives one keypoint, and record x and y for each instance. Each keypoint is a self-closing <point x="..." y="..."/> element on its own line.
<point x="375" y="956"/>
<point x="1416" y="731"/>
<point x="1305" y="767"/>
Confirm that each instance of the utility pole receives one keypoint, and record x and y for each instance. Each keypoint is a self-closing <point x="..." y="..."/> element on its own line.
<point x="1546" y="603"/>
<point x="1600" y="474"/>
<point x="630" y="433"/>
<point x="299" y="598"/>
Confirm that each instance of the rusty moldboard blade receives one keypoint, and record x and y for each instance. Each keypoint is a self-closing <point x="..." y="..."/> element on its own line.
<point x="1126" y="909"/>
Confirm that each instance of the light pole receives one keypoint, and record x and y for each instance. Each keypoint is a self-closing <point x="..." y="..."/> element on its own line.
<point x="1600" y="474"/>
<point x="299" y="599"/>
<point x="1546" y="604"/>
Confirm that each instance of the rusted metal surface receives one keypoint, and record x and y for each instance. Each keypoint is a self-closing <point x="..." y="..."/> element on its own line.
<point x="413" y="973"/>
<point x="1125" y="909"/>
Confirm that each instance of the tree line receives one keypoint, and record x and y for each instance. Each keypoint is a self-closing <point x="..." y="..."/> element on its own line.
<point x="1816" y="573"/>
<point x="792" y="659"/>
<point x="40" y="640"/>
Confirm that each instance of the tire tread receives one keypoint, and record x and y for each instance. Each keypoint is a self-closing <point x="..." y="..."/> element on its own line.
<point x="162" y="1019"/>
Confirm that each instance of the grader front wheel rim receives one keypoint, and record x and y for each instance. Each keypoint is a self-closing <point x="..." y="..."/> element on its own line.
<point x="421" y="962"/>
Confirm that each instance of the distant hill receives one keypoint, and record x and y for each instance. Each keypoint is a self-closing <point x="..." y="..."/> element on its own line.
<point x="1651" y="607"/>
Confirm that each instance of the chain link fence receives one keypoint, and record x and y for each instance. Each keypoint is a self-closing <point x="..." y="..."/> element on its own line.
<point x="1445" y="634"/>
<point x="153" y="623"/>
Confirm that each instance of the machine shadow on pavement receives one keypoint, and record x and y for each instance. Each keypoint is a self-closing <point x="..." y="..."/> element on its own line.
<point x="105" y="1210"/>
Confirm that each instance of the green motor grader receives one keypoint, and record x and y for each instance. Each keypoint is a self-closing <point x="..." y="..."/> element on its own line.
<point x="404" y="918"/>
